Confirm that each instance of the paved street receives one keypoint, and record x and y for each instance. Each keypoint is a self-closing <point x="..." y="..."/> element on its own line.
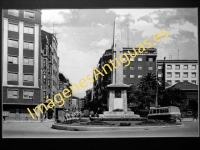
<point x="44" y="130"/>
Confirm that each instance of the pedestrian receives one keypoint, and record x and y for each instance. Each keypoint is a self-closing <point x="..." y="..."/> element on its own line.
<point x="182" y="116"/>
<point x="45" y="115"/>
<point x="195" y="116"/>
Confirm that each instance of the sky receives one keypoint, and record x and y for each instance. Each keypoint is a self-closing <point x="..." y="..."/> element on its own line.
<point x="83" y="35"/>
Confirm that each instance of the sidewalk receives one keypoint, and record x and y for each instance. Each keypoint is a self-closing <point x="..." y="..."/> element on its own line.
<point x="46" y="120"/>
<point x="187" y="120"/>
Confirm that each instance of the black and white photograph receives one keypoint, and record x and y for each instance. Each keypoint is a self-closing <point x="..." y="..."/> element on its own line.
<point x="100" y="72"/>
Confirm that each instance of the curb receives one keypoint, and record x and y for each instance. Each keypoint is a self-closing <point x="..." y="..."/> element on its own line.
<point x="91" y="128"/>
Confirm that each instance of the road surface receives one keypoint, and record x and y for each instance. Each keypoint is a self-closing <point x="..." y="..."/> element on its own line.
<point x="44" y="130"/>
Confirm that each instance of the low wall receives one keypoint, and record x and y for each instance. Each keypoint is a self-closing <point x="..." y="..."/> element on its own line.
<point x="21" y="116"/>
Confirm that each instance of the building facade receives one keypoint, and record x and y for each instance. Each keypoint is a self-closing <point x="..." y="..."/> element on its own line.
<point x="82" y="103"/>
<point x="49" y="68"/>
<point x="68" y="101"/>
<point x="21" y="30"/>
<point x="139" y="66"/>
<point x="171" y="72"/>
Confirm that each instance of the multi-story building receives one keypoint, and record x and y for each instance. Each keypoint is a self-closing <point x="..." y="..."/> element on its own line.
<point x="89" y="97"/>
<point x="82" y="103"/>
<point x="75" y="103"/>
<point x="21" y="61"/>
<point x="49" y="68"/>
<point x="171" y="72"/>
<point x="139" y="66"/>
<point x="68" y="101"/>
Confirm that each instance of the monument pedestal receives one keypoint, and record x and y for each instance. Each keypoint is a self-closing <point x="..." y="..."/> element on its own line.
<point x="118" y="101"/>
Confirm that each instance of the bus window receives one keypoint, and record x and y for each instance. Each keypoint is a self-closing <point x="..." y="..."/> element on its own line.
<point x="154" y="111"/>
<point x="166" y="110"/>
<point x="175" y="109"/>
<point x="157" y="111"/>
<point x="150" y="111"/>
<point x="162" y="111"/>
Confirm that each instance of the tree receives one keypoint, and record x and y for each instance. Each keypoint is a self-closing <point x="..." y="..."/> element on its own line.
<point x="193" y="104"/>
<point x="148" y="81"/>
<point x="174" y="97"/>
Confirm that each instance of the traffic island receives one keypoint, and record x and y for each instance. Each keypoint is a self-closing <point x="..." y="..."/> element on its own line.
<point x="98" y="125"/>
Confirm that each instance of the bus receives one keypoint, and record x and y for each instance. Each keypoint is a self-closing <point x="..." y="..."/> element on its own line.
<point x="165" y="113"/>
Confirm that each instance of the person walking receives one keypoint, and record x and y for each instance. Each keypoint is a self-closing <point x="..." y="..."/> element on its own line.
<point x="195" y="116"/>
<point x="45" y="115"/>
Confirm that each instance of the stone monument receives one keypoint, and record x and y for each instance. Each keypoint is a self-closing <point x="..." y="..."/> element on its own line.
<point x="118" y="90"/>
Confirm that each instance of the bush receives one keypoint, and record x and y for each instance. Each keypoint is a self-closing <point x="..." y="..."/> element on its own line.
<point x="125" y="124"/>
<point x="119" y="119"/>
<point x="59" y="121"/>
<point x="96" y="122"/>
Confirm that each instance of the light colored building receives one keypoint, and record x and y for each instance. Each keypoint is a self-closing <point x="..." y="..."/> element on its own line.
<point x="74" y="103"/>
<point x="21" y="48"/>
<point x="174" y="71"/>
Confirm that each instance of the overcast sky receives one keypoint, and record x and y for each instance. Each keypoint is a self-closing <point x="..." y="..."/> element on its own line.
<point x="84" y="34"/>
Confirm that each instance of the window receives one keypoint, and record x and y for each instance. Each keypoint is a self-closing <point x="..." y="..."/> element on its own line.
<point x="159" y="67"/>
<point x="193" y="75"/>
<point x="13" y="27"/>
<point x="131" y="59"/>
<point x="124" y="59"/>
<point x="12" y="76"/>
<point x="131" y="76"/>
<point x="139" y="67"/>
<point x="139" y="76"/>
<point x="11" y="93"/>
<point x="193" y="67"/>
<point x="124" y="67"/>
<point x="169" y="67"/>
<point x="194" y="81"/>
<point x="150" y="59"/>
<point x="44" y="93"/>
<point x="27" y="94"/>
<point x="150" y="68"/>
<point x="162" y="111"/>
<point x="160" y="75"/>
<point x="169" y="74"/>
<point x="44" y="61"/>
<point x="12" y="59"/>
<point x="139" y="58"/>
<point x="185" y="74"/>
<point x="124" y="76"/>
<point x="185" y="67"/>
<point x="13" y="12"/>
<point x="28" y="45"/>
<point x="28" y="61"/>
<point x="177" y="81"/>
<point x="185" y="80"/>
<point x="169" y="82"/>
<point x="28" y="30"/>
<point x="13" y="43"/>
<point x="29" y="15"/>
<point x="177" y="74"/>
<point x="177" y="67"/>
<point x="166" y="110"/>
<point x="28" y="77"/>
<point x="132" y="67"/>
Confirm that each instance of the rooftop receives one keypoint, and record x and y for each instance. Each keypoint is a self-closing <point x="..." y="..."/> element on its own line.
<point x="185" y="86"/>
